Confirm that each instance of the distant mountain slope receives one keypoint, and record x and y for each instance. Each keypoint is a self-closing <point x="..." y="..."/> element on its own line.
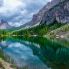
<point x="4" y="24"/>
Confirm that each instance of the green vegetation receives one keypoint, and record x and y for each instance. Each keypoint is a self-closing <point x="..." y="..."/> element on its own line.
<point x="38" y="30"/>
<point x="54" y="30"/>
<point x="4" y="33"/>
<point x="63" y="30"/>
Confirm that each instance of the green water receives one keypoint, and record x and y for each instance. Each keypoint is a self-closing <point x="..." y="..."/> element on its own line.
<point x="35" y="53"/>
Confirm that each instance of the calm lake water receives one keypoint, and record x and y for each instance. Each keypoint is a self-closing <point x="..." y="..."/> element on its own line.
<point x="35" y="53"/>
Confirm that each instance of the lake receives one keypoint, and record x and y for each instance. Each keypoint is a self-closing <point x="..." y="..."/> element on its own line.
<point x="34" y="53"/>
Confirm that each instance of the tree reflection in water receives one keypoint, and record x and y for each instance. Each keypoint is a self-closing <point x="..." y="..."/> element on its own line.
<point x="52" y="54"/>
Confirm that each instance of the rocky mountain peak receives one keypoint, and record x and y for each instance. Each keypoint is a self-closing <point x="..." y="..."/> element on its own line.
<point x="56" y="9"/>
<point x="4" y="24"/>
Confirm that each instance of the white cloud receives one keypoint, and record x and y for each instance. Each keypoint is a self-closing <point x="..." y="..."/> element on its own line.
<point x="16" y="24"/>
<point x="20" y="11"/>
<point x="1" y="3"/>
<point x="10" y="6"/>
<point x="23" y="12"/>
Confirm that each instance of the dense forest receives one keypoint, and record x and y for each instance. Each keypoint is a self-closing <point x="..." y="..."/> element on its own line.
<point x="38" y="30"/>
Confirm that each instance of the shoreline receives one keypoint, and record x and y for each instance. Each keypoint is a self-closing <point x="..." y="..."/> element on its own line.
<point x="5" y="65"/>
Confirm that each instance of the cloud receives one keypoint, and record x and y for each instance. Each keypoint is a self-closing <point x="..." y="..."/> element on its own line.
<point x="9" y="7"/>
<point x="20" y="11"/>
<point x="1" y="3"/>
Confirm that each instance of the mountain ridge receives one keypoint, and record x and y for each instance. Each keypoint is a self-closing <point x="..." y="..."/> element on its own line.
<point x="44" y="17"/>
<point x="4" y="24"/>
<point x="55" y="10"/>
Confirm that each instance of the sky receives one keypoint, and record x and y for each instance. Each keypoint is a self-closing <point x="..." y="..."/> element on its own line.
<point x="18" y="12"/>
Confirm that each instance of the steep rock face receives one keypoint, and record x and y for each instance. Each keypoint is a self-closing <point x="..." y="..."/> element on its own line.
<point x="60" y="13"/>
<point x="54" y="10"/>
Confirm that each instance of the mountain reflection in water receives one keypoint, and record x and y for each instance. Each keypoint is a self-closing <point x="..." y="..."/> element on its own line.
<point x="36" y="53"/>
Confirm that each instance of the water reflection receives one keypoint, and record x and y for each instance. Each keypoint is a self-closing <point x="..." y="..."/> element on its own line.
<point x="22" y="54"/>
<point x="36" y="53"/>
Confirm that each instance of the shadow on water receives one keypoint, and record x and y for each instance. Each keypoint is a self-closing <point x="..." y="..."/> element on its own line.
<point x="48" y="54"/>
